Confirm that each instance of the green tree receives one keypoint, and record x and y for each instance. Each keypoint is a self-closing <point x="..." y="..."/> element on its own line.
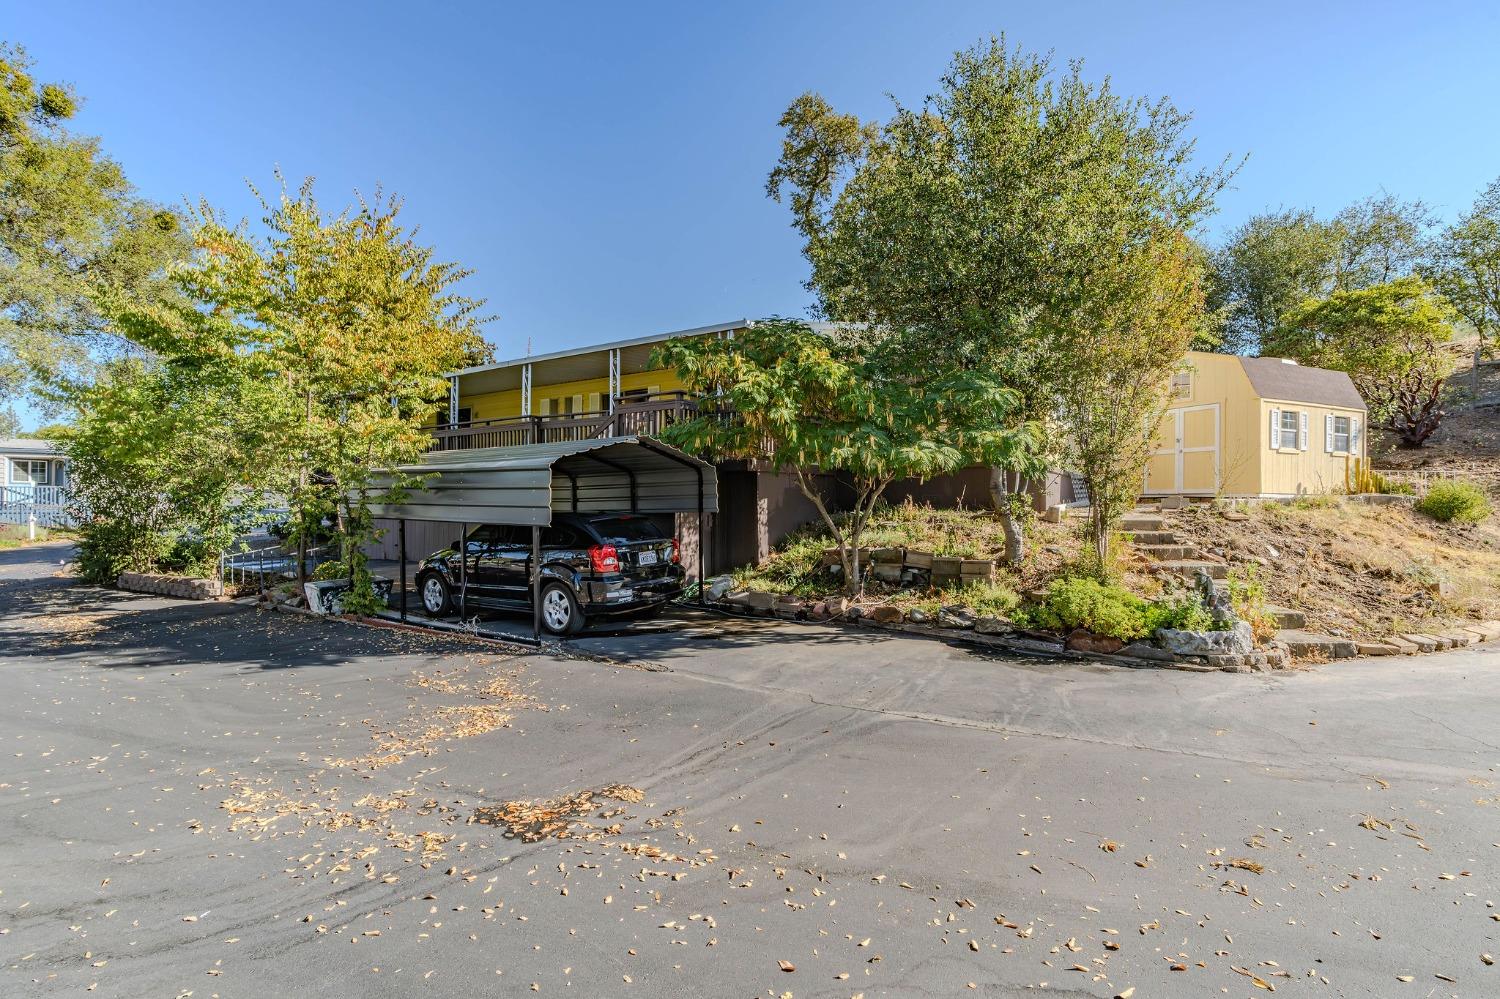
<point x="1465" y="269"/>
<point x="1115" y="384"/>
<point x="973" y="229"/>
<point x="807" y="403"/>
<point x="1266" y="268"/>
<point x="71" y="228"/>
<point x="352" y="321"/>
<point x="1393" y="340"/>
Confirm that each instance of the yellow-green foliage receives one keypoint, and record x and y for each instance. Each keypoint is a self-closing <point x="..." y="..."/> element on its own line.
<point x="1455" y="500"/>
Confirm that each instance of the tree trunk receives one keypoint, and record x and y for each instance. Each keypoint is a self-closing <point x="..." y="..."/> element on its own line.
<point x="1002" y="497"/>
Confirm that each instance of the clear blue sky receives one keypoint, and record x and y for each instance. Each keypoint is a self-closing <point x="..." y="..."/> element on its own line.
<point x="601" y="166"/>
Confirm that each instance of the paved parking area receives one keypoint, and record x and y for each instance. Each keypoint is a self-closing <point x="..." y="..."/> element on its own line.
<point x="216" y="801"/>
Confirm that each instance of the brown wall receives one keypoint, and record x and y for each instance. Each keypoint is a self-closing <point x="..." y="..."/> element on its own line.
<point x="969" y="489"/>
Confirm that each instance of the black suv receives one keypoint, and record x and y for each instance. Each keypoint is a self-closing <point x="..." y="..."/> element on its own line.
<point x="592" y="565"/>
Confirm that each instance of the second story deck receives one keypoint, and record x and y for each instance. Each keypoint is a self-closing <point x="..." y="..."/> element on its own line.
<point x="644" y="415"/>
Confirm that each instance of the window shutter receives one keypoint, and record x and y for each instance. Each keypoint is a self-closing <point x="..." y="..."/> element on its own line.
<point x="1328" y="432"/>
<point x="578" y="403"/>
<point x="654" y="390"/>
<point x="1275" y="429"/>
<point x="594" y="406"/>
<point x="1354" y="435"/>
<point x="1302" y="431"/>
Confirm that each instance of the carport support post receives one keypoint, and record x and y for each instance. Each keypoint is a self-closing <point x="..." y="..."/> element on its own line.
<point x="702" y="580"/>
<point x="463" y="572"/>
<point x="536" y="583"/>
<point x="401" y="544"/>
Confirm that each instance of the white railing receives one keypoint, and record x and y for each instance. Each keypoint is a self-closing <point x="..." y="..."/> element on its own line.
<point x="24" y="503"/>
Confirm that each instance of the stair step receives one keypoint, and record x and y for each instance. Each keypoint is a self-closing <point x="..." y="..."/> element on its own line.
<point x="1286" y="617"/>
<point x="1136" y="522"/>
<point x="1187" y="567"/>
<point x="1169" y="553"/>
<point x="1305" y="643"/>
<point x="1153" y="537"/>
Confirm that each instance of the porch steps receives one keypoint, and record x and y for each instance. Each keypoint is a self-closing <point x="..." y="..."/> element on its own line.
<point x="1134" y="522"/>
<point x="1139" y="538"/>
<point x="1169" y="552"/>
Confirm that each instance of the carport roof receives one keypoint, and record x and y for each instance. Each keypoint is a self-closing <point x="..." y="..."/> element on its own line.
<point x="524" y="485"/>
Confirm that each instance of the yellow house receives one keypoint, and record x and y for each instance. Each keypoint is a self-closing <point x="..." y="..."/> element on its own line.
<point x="1256" y="426"/>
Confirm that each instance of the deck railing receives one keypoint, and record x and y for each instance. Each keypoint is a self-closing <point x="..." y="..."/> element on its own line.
<point x="49" y="505"/>
<point x="645" y="416"/>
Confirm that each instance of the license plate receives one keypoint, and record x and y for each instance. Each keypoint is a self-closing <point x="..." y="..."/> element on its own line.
<point x="646" y="558"/>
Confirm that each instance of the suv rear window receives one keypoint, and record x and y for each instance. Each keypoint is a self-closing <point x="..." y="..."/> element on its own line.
<point x="617" y="530"/>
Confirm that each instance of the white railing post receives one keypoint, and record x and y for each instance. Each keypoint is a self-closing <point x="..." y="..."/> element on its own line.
<point x="31" y="524"/>
<point x="525" y="390"/>
<point x="614" y="377"/>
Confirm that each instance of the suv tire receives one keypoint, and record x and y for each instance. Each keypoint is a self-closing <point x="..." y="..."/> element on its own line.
<point x="561" y="614"/>
<point x="436" y="597"/>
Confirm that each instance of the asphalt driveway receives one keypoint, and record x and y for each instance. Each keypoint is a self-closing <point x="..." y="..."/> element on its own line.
<point x="215" y="801"/>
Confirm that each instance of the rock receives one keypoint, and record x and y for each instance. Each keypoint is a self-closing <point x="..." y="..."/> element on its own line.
<point x="853" y="612"/>
<point x="1234" y="515"/>
<point x="1377" y="649"/>
<point x="757" y="600"/>
<point x="789" y="607"/>
<point x="1204" y="643"/>
<point x="836" y="606"/>
<point x="1145" y="650"/>
<point x="884" y="614"/>
<point x="956" y="617"/>
<point x="182" y="587"/>
<point x="818" y="611"/>
<point x="1085" y="641"/>
<point x="917" y="616"/>
<point x="1054" y="514"/>
<point x="718" y="587"/>
<point x="992" y="626"/>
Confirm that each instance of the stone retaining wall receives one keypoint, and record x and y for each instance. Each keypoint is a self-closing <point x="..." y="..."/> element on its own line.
<point x="182" y="587"/>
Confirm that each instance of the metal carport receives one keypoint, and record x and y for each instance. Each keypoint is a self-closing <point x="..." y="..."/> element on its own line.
<point x="524" y="485"/>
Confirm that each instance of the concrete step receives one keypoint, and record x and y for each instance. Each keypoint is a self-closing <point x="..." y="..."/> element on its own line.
<point x="1153" y="537"/>
<point x="1187" y="567"/>
<point x="1169" y="553"/>
<point x="1306" y="643"/>
<point x="1286" y="617"/>
<point x="1139" y="522"/>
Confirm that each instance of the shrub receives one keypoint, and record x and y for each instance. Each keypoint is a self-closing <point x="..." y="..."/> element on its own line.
<point x="1182" y="611"/>
<point x="190" y="556"/>
<point x="1455" y="500"/>
<point x="985" y="599"/>
<point x="1248" y="597"/>
<point x="1081" y="602"/>
<point x="107" y="548"/>
<point x="335" y="569"/>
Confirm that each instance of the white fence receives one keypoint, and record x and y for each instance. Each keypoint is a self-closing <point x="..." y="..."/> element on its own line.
<point x="45" y="506"/>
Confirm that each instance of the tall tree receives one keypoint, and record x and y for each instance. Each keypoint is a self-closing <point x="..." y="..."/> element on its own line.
<point x="1393" y="340"/>
<point x="809" y="403"/>
<point x="349" y="317"/>
<point x="976" y="226"/>
<point x="1465" y="269"/>
<point x="1266" y="268"/>
<point x="71" y="229"/>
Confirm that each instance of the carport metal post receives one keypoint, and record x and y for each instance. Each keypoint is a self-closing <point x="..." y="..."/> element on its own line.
<point x="536" y="583"/>
<point x="401" y="544"/>
<point x="463" y="572"/>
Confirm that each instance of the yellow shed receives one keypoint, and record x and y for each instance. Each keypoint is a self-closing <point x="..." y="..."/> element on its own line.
<point x="1256" y="426"/>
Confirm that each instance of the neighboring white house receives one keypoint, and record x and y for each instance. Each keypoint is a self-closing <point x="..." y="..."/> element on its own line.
<point x="33" y="482"/>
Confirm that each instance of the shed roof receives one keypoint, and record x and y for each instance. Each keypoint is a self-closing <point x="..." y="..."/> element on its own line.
<point x="1286" y="381"/>
<point x="524" y="485"/>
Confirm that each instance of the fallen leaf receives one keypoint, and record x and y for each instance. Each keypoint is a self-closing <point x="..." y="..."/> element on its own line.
<point x="786" y="966"/>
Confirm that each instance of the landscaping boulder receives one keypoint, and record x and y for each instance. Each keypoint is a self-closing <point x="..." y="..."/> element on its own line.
<point x="956" y="617"/>
<point x="993" y="626"/>
<point x="836" y="606"/>
<point x="1086" y="641"/>
<point x="917" y="616"/>
<point x="884" y="614"/>
<point x="755" y="600"/>
<point x="1237" y="640"/>
<point x="789" y="607"/>
<point x="718" y="587"/>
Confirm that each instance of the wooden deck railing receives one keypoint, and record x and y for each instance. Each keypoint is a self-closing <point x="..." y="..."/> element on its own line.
<point x="646" y="416"/>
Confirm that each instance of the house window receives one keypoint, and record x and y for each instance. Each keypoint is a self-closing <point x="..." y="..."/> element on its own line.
<point x="29" y="472"/>
<point x="1290" y="423"/>
<point x="1341" y="434"/>
<point x="1182" y="384"/>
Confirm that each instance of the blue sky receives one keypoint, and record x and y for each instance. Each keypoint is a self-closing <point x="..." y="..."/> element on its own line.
<point x="601" y="166"/>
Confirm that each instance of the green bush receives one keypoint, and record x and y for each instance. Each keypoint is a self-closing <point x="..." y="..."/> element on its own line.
<point x="1081" y="602"/>
<point x="190" y="557"/>
<point x="985" y="599"/>
<point x="1182" y="611"/>
<point x="329" y="570"/>
<point x="1453" y="499"/>
<point x="107" y="548"/>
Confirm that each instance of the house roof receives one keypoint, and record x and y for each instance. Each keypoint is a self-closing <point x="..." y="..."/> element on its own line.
<point x="1287" y="381"/>
<point x="28" y="446"/>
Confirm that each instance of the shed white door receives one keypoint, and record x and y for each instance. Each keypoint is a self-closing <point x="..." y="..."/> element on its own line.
<point x="1187" y="457"/>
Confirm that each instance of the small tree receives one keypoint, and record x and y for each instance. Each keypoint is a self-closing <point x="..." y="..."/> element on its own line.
<point x="1117" y="369"/>
<point x="1393" y="340"/>
<point x="782" y="393"/>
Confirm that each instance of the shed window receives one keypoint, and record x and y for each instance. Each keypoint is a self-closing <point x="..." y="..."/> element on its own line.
<point x="1182" y="384"/>
<point x="1341" y="434"/>
<point x="1290" y="423"/>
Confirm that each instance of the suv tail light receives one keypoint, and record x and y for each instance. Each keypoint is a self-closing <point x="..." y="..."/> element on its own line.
<point x="676" y="551"/>
<point x="604" y="558"/>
